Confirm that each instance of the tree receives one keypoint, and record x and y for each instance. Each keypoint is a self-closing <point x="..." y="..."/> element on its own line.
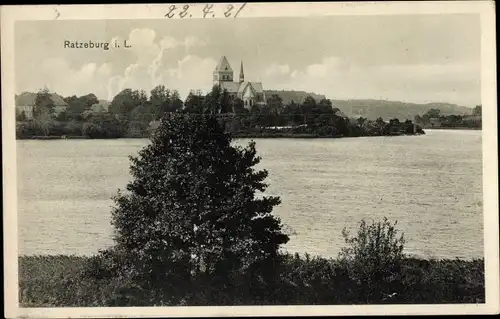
<point x="62" y="117"/>
<point x="361" y="121"/>
<point x="239" y="107"/>
<point x="309" y="110"/>
<point x="93" y="130"/>
<point x="433" y="113"/>
<point x="191" y="209"/>
<point x="139" y="119"/>
<point x="394" y="121"/>
<point x="325" y="107"/>
<point x="194" y="102"/>
<point x="44" y="123"/>
<point x="75" y="106"/>
<point x="79" y="106"/>
<point x="20" y="116"/>
<point x="108" y="125"/>
<point x="125" y="101"/>
<point x="175" y="102"/>
<point x="43" y="104"/>
<point x="87" y="101"/>
<point x="293" y="114"/>
<point x="477" y="110"/>
<point x="380" y="122"/>
<point x="160" y="100"/>
<point x="218" y="101"/>
<point x="275" y="103"/>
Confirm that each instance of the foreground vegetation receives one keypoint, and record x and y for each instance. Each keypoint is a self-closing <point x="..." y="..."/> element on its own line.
<point x="61" y="281"/>
<point x="190" y="230"/>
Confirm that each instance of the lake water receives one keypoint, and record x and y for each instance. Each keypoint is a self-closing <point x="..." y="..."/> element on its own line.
<point x="431" y="184"/>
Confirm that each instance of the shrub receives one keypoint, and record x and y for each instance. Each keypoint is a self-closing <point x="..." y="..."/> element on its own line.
<point x="25" y="129"/>
<point x="92" y="130"/>
<point x="190" y="214"/>
<point x="374" y="257"/>
<point x="73" y="128"/>
<point x="20" y="116"/>
<point x="113" y="127"/>
<point x="36" y="127"/>
<point x="58" y="129"/>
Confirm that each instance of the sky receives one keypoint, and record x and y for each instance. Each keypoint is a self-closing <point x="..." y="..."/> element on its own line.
<point x="414" y="58"/>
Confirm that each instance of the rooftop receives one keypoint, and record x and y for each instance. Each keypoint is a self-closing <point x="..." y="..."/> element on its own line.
<point x="223" y="65"/>
<point x="28" y="99"/>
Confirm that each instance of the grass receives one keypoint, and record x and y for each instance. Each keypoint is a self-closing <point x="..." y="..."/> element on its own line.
<point x="57" y="281"/>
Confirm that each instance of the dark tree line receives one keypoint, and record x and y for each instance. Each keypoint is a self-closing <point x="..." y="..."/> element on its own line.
<point x="434" y="118"/>
<point x="131" y="114"/>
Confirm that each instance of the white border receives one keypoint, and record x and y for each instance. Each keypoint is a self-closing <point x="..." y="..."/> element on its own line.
<point x="10" y="14"/>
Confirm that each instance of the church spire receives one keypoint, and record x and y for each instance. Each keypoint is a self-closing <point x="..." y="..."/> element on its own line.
<point x="242" y="75"/>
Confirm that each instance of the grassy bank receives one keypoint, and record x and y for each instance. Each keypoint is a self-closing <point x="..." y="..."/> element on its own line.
<point x="57" y="281"/>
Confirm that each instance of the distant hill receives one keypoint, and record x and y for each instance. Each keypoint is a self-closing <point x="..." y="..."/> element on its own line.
<point x="372" y="109"/>
<point x="296" y="96"/>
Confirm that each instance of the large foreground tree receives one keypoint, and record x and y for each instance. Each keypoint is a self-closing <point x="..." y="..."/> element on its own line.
<point x="193" y="209"/>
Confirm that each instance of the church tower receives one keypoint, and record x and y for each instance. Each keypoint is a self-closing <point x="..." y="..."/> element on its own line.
<point x="223" y="71"/>
<point x="242" y="75"/>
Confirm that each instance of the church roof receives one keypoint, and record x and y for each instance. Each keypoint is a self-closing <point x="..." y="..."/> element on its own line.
<point x="231" y="87"/>
<point x="257" y="86"/>
<point x="242" y="87"/>
<point x="223" y="65"/>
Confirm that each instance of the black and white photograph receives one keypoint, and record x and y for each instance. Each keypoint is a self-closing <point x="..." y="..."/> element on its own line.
<point x="199" y="156"/>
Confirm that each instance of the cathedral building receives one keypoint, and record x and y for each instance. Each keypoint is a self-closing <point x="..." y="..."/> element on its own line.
<point x="251" y="93"/>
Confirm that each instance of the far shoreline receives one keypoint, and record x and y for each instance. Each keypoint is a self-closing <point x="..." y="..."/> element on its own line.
<point x="242" y="136"/>
<point x="247" y="136"/>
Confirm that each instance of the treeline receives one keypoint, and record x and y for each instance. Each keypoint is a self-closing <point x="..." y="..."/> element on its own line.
<point x="132" y="114"/>
<point x="434" y="118"/>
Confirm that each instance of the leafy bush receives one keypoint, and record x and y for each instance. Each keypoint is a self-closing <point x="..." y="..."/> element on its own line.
<point x="73" y="128"/>
<point x="57" y="129"/>
<point x="92" y="130"/>
<point x="374" y="256"/>
<point x="26" y="129"/>
<point x="113" y="127"/>
<point x="30" y="128"/>
<point x="20" y="116"/>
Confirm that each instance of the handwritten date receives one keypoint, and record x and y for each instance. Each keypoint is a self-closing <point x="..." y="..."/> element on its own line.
<point x="208" y="11"/>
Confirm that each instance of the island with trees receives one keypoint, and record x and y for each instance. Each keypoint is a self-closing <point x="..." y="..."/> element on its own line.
<point x="132" y="113"/>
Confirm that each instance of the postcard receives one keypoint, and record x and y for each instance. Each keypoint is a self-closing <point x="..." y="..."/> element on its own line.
<point x="250" y="159"/>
